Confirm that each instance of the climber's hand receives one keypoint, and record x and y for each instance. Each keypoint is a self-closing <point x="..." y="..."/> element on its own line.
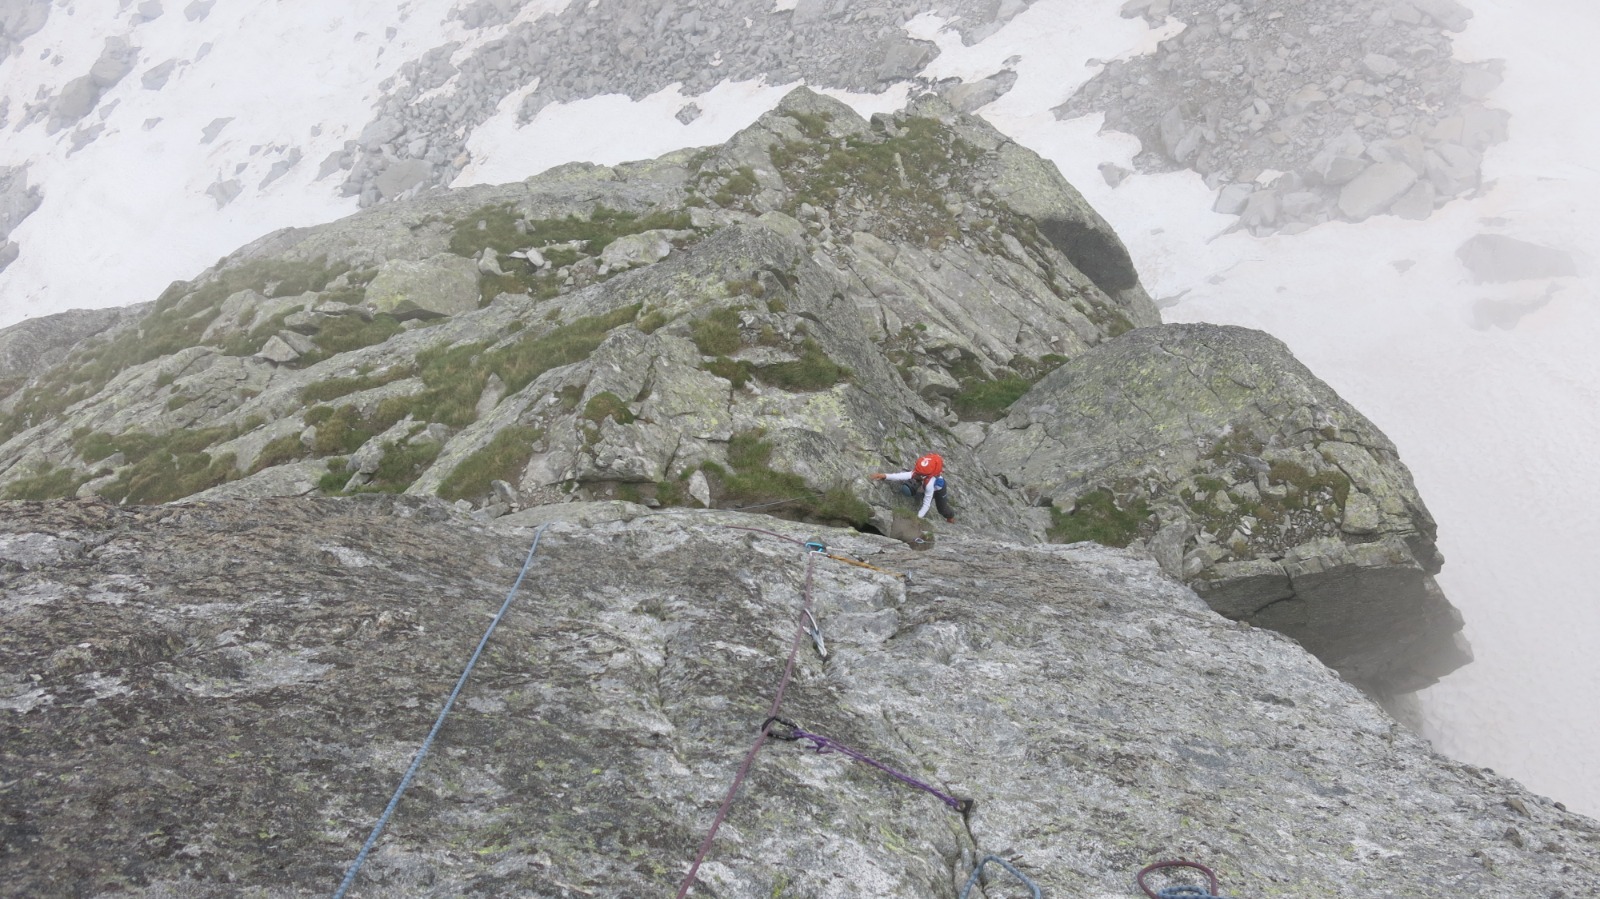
<point x="877" y="476"/>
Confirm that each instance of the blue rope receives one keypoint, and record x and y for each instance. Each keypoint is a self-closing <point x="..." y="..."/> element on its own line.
<point x="973" y="880"/>
<point x="416" y="762"/>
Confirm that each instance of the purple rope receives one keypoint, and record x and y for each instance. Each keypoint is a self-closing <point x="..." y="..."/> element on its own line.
<point x="761" y="738"/>
<point x="827" y="744"/>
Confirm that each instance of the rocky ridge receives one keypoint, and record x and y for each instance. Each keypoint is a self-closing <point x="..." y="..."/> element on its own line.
<point x="754" y="325"/>
<point x="217" y="699"/>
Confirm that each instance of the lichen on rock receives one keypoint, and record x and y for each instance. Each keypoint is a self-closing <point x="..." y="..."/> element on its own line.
<point x="218" y="698"/>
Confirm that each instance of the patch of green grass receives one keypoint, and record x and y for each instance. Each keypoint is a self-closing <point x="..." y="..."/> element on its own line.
<point x="334" y="479"/>
<point x="900" y="179"/>
<point x="502" y="459"/>
<point x="1305" y="486"/>
<point x="92" y="446"/>
<point x="814" y="370"/>
<point x="652" y="321"/>
<point x="165" y="467"/>
<point x="287" y="448"/>
<point x="343" y="333"/>
<point x="401" y="466"/>
<point x="812" y="124"/>
<point x="346" y="429"/>
<point x="717" y="333"/>
<point x="1097" y="517"/>
<point x="162" y="467"/>
<point x="988" y="400"/>
<point x="742" y="183"/>
<point x="748" y="287"/>
<point x="333" y="388"/>
<point x="520" y="363"/>
<point x="453" y="379"/>
<point x="840" y="504"/>
<point x="46" y="482"/>
<point x="671" y="493"/>
<point x="747" y="451"/>
<point x="738" y="373"/>
<point x="176" y="322"/>
<point x="606" y="405"/>
<point x="763" y="486"/>
<point x="603" y="225"/>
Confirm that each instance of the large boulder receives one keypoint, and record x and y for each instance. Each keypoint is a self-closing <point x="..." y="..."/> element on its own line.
<point x="440" y="285"/>
<point x="269" y="669"/>
<point x="1246" y="475"/>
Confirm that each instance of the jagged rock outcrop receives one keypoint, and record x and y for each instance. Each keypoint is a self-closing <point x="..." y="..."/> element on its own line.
<point x="218" y="699"/>
<point x="1244" y="474"/>
<point x="835" y="292"/>
<point x="756" y="325"/>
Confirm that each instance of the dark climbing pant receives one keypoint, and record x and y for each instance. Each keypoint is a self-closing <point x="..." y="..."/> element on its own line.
<point x="941" y="498"/>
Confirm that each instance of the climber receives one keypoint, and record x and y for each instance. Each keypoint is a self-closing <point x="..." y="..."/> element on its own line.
<point x="926" y="478"/>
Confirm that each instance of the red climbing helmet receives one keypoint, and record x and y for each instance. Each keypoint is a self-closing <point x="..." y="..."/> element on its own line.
<point x="930" y="465"/>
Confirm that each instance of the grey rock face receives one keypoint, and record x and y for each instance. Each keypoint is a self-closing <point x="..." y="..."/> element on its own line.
<point x="439" y="285"/>
<point x="1293" y="506"/>
<point x="271" y="666"/>
<point x="757" y="324"/>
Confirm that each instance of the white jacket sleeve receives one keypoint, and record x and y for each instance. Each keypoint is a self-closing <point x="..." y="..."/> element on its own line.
<point x="927" y="498"/>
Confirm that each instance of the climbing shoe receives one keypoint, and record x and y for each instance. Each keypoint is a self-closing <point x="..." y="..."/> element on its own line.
<point x="951" y="519"/>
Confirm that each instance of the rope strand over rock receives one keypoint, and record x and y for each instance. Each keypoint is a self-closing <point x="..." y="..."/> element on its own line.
<point x="792" y="732"/>
<point x="1011" y="869"/>
<point x="761" y="738"/>
<point x="416" y="761"/>
<point x="1179" y="891"/>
